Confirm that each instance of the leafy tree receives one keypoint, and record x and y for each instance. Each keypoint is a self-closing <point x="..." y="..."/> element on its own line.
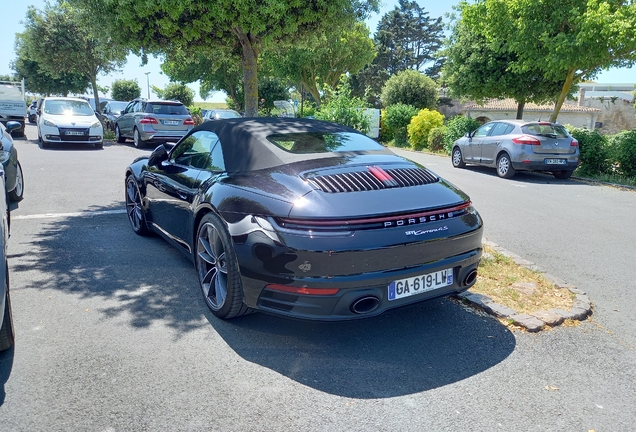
<point x="176" y="91"/>
<point x="190" y="25"/>
<point x="125" y="90"/>
<point x="38" y="79"/>
<point x="476" y="71"/>
<point x="318" y="63"/>
<point x="569" y="40"/>
<point x="406" y="38"/>
<point x="66" y="38"/>
<point x="410" y="87"/>
<point x="344" y="109"/>
<point x="216" y="69"/>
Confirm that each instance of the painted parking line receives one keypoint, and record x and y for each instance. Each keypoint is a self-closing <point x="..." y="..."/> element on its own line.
<point x="66" y="215"/>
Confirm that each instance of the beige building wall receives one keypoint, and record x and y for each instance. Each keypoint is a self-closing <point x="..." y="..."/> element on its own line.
<point x="616" y="114"/>
<point x="577" y="119"/>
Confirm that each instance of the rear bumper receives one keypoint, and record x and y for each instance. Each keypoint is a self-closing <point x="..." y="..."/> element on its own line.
<point x="371" y="287"/>
<point x="542" y="166"/>
<point x="360" y="265"/>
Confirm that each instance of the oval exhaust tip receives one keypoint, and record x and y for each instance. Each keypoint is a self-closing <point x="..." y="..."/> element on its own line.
<point x="365" y="305"/>
<point x="470" y="278"/>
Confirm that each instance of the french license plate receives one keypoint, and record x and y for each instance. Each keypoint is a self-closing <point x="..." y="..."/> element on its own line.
<point x="74" y="133"/>
<point x="416" y="285"/>
<point x="555" y="161"/>
<point x="171" y="122"/>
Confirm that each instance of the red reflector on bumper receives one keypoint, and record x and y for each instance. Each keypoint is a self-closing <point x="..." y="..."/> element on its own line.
<point x="303" y="290"/>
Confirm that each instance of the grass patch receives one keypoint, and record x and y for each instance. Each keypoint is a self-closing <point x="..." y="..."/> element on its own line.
<point x="109" y="135"/>
<point x="498" y="273"/>
<point x="210" y="105"/>
<point x="610" y="178"/>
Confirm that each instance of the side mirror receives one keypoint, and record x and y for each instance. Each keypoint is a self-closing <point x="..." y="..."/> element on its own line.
<point x="158" y="155"/>
<point x="13" y="125"/>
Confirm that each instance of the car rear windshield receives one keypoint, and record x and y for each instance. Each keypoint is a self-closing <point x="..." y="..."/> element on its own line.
<point x="323" y="142"/>
<point x="66" y="107"/>
<point x="166" y="108"/>
<point x="547" y="130"/>
<point x="227" y="114"/>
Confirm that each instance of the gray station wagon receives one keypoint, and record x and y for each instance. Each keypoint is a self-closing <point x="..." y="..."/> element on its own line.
<point x="518" y="145"/>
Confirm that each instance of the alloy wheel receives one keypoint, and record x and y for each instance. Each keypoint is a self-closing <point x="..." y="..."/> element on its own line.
<point x="212" y="266"/>
<point x="133" y="207"/>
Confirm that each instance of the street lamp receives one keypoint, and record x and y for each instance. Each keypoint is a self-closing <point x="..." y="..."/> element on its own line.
<point x="148" y="83"/>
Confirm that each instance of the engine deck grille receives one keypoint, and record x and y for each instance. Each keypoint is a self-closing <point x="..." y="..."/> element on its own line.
<point x="364" y="180"/>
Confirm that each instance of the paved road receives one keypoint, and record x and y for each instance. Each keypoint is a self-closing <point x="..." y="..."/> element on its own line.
<point x="113" y="334"/>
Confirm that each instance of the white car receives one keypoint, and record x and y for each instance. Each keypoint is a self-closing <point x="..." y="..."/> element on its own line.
<point x="68" y="121"/>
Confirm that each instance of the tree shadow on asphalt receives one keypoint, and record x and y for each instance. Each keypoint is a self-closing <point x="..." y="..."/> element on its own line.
<point x="146" y="281"/>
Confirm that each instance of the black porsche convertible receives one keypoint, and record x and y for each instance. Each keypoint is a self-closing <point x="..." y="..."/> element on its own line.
<point x="304" y="218"/>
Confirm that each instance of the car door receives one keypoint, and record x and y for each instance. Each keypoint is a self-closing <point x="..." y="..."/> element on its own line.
<point x="126" y="121"/>
<point x="473" y="148"/>
<point x="490" y="143"/>
<point x="172" y="187"/>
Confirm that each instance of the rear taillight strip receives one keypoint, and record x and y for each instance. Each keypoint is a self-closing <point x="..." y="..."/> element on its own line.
<point x="344" y="222"/>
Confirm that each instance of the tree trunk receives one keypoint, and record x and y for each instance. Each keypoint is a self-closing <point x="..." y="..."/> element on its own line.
<point x="250" y="72"/>
<point x="564" y="93"/>
<point x="95" y="91"/>
<point x="520" y="106"/>
<point x="310" y="84"/>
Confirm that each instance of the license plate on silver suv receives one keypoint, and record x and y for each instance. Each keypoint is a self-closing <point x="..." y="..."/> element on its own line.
<point x="170" y="122"/>
<point x="555" y="161"/>
<point x="420" y="284"/>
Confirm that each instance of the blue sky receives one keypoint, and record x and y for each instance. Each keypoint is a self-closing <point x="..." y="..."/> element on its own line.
<point x="11" y="24"/>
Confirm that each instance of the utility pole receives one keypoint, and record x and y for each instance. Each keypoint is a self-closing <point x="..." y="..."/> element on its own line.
<point x="148" y="83"/>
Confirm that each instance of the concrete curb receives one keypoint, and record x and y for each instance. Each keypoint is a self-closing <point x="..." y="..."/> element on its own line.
<point x="538" y="320"/>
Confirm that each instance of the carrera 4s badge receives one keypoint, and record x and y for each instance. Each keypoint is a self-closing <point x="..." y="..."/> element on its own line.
<point x="428" y="231"/>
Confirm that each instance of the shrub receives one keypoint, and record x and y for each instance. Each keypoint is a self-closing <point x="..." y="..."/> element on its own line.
<point x="398" y="117"/>
<point x="457" y="128"/>
<point x="594" y="149"/>
<point x="125" y="90"/>
<point x="421" y="125"/>
<point x="410" y="87"/>
<point x="195" y="112"/>
<point x="344" y="109"/>
<point x="624" y="152"/>
<point x="436" y="139"/>
<point x="178" y="92"/>
<point x="386" y="133"/>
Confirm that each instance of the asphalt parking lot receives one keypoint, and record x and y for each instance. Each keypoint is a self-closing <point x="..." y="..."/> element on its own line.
<point x="113" y="335"/>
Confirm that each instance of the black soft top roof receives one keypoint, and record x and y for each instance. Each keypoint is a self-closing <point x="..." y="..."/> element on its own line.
<point x="246" y="147"/>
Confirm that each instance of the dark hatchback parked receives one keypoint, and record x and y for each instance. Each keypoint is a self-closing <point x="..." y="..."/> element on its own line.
<point x="304" y="218"/>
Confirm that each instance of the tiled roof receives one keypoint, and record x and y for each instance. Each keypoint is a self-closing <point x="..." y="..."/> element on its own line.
<point x="511" y="105"/>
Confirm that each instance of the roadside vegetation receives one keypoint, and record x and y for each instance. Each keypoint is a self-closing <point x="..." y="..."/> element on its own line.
<point x="518" y="287"/>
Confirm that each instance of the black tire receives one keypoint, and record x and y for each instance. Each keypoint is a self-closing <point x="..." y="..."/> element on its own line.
<point x="120" y="139"/>
<point x="139" y="143"/>
<point x="504" y="166"/>
<point x="134" y="208"/>
<point x="7" y="336"/>
<point x="218" y="269"/>
<point x="457" y="158"/>
<point x="562" y="175"/>
<point x="32" y="118"/>
<point x="17" y="193"/>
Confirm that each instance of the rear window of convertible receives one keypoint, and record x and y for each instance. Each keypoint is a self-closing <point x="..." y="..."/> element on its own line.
<point x="324" y="142"/>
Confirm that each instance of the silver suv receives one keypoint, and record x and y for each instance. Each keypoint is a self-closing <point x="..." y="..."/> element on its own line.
<point x="153" y="121"/>
<point x="518" y="145"/>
